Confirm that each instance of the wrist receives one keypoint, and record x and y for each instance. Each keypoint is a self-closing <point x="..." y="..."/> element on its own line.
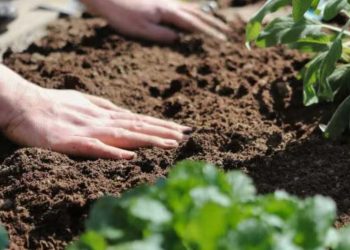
<point x="96" y="7"/>
<point x="12" y="88"/>
<point x="89" y="4"/>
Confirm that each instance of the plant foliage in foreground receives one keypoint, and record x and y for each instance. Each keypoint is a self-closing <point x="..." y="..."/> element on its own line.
<point x="327" y="75"/>
<point x="3" y="238"/>
<point x="200" y="207"/>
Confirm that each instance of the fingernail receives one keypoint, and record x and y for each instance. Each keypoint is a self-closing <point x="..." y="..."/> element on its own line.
<point x="131" y="156"/>
<point x="185" y="137"/>
<point x="186" y="128"/>
<point x="222" y="37"/>
<point x="171" y="143"/>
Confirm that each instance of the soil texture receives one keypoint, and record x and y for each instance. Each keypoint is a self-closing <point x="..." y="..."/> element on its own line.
<point x="236" y="3"/>
<point x="245" y="106"/>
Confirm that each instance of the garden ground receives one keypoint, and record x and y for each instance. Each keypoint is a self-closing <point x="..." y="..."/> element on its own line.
<point x="246" y="108"/>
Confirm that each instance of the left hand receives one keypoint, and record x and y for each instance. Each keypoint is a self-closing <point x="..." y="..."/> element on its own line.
<point x="145" y="18"/>
<point x="77" y="124"/>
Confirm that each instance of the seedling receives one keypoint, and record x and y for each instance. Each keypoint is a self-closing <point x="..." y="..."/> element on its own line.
<point x="308" y="28"/>
<point x="200" y="207"/>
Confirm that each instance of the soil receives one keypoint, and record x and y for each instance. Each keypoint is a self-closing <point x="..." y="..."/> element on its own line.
<point x="246" y="108"/>
<point x="235" y="3"/>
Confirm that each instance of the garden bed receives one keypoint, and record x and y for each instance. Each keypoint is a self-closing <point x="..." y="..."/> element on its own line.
<point x="245" y="106"/>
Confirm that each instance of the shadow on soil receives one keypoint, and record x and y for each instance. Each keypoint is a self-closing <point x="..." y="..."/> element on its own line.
<point x="309" y="167"/>
<point x="6" y="148"/>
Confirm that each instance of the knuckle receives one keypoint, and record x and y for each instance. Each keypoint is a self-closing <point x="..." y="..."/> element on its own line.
<point x="54" y="109"/>
<point x="138" y="126"/>
<point x="153" y="140"/>
<point x="77" y="120"/>
<point x="91" y="143"/>
<point x="137" y="118"/>
<point x="120" y="133"/>
<point x="119" y="155"/>
<point x="52" y="141"/>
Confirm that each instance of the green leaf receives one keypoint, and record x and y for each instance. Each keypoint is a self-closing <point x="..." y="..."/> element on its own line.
<point x="255" y="24"/>
<point x="3" y="238"/>
<point x="314" y="4"/>
<point x="280" y="204"/>
<point x="344" y="239"/>
<point x="89" y="241"/>
<point x="285" y="30"/>
<point x="204" y="227"/>
<point x="310" y="79"/>
<point x="152" y="243"/>
<point x="314" y="221"/>
<point x="317" y="72"/>
<point x="110" y="217"/>
<point x="339" y="121"/>
<point x="312" y="43"/>
<point x="187" y="169"/>
<point x="250" y="234"/>
<point x="340" y="80"/>
<point x="300" y="7"/>
<point x="327" y="68"/>
<point x="242" y="188"/>
<point x="212" y="194"/>
<point x="111" y="207"/>
<point x="150" y="210"/>
<point x="333" y="7"/>
<point x="284" y="242"/>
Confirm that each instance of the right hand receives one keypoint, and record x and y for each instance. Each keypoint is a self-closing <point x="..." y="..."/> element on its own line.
<point x="145" y="18"/>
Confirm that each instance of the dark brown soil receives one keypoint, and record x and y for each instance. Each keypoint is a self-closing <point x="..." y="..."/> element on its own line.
<point x="246" y="108"/>
<point x="235" y="3"/>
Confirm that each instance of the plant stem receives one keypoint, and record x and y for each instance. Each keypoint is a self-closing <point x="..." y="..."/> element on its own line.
<point x="333" y="28"/>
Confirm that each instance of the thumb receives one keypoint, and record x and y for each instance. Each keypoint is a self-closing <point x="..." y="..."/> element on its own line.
<point x="157" y="33"/>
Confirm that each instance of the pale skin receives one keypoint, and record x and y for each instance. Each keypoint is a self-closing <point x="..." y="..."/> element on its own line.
<point x="77" y="124"/>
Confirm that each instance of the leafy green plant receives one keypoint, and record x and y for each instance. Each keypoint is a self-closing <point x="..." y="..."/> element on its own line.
<point x="200" y="207"/>
<point x="327" y="75"/>
<point x="3" y="238"/>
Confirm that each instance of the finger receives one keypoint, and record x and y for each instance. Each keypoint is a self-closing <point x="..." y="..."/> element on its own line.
<point x="123" y="138"/>
<point x="207" y="18"/>
<point x="106" y="104"/>
<point x="92" y="148"/>
<point x="148" y="129"/>
<point x="157" y="33"/>
<point x="195" y="5"/>
<point x="192" y="23"/>
<point x="151" y="120"/>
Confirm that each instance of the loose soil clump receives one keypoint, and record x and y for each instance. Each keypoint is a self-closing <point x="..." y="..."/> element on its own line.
<point x="245" y="107"/>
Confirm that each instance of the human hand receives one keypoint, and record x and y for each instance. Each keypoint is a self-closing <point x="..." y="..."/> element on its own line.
<point x="145" y="18"/>
<point x="76" y="124"/>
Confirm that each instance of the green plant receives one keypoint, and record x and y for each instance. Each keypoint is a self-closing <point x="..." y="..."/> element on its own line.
<point x="327" y="75"/>
<point x="3" y="239"/>
<point x="200" y="207"/>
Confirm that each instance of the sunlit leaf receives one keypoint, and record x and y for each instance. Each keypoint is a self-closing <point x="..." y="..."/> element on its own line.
<point x="333" y="7"/>
<point x="339" y="121"/>
<point x="255" y="24"/>
<point x="300" y="7"/>
<point x="284" y="30"/>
